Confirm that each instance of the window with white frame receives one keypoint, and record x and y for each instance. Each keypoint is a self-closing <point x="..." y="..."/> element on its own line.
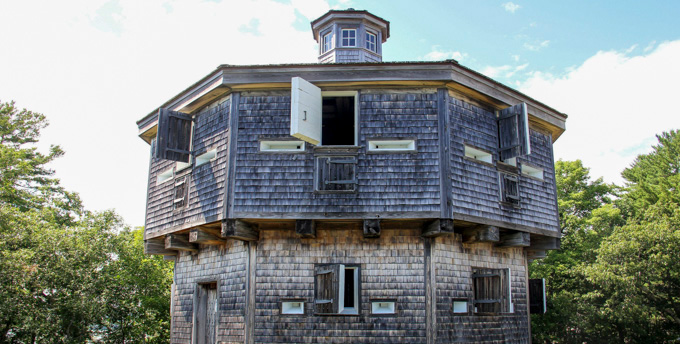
<point x="337" y="289"/>
<point x="532" y="171"/>
<point x="349" y="37"/>
<point x="478" y="154"/>
<point x="206" y="157"/>
<point x="327" y="42"/>
<point x="371" y="42"/>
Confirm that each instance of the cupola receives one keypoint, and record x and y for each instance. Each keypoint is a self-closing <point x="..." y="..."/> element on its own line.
<point x="350" y="36"/>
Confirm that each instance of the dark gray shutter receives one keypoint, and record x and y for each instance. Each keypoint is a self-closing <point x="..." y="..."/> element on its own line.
<point x="336" y="173"/>
<point x="513" y="132"/>
<point x="510" y="188"/>
<point x="537" y="296"/>
<point x="487" y="289"/>
<point x="173" y="139"/>
<point x="327" y="293"/>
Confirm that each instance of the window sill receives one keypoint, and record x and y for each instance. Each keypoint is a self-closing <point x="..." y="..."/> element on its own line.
<point x="336" y="150"/>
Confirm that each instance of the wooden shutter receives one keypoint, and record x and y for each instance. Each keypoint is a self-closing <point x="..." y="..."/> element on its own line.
<point x="305" y="114"/>
<point x="181" y="193"/>
<point x="513" y="132"/>
<point x="537" y="304"/>
<point x="509" y="188"/>
<point x="173" y="139"/>
<point x="487" y="286"/>
<point x="327" y="293"/>
<point x="336" y="173"/>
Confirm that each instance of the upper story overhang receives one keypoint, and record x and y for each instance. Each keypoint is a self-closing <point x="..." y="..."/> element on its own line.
<point x="444" y="74"/>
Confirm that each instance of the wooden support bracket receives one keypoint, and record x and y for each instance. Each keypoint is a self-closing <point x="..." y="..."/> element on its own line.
<point x="205" y="236"/>
<point x="179" y="242"/>
<point x="371" y="228"/>
<point x="539" y="243"/>
<point x="531" y="254"/>
<point x="157" y="246"/>
<point x="515" y="239"/>
<point x="481" y="233"/>
<point x="237" y="229"/>
<point x="438" y="228"/>
<point x="305" y="228"/>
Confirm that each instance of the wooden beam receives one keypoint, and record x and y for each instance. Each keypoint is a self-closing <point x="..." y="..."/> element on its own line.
<point x="168" y="257"/>
<point x="481" y="233"/>
<point x="531" y="254"/>
<point x="179" y="242"/>
<point x="438" y="228"/>
<point x="371" y="228"/>
<point x="237" y="229"/>
<point x="539" y="243"/>
<point x="305" y="228"/>
<point x="205" y="236"/>
<point x="515" y="239"/>
<point x="157" y="246"/>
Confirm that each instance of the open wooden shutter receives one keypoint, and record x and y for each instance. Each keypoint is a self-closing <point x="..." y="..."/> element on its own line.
<point x="327" y="295"/>
<point x="305" y="114"/>
<point x="513" y="132"/>
<point x="173" y="139"/>
<point x="537" y="303"/>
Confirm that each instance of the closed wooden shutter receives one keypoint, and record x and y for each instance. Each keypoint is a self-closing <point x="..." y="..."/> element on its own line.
<point x="336" y="173"/>
<point x="509" y="188"/>
<point x="513" y="132"/>
<point x="537" y="304"/>
<point x="305" y="114"/>
<point x="327" y="293"/>
<point x="173" y="139"/>
<point x="181" y="193"/>
<point x="491" y="289"/>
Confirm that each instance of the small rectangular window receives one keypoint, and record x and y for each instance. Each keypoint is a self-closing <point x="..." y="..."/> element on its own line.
<point x="509" y="188"/>
<point x="179" y="166"/>
<point x="206" y="157"/>
<point x="491" y="289"/>
<point x="371" y="42"/>
<point x="282" y="146"/>
<point x="478" y="154"/>
<point x="383" y="307"/>
<point x="391" y="145"/>
<point x="460" y="306"/>
<point x="165" y="176"/>
<point x="327" y="42"/>
<point x="532" y="171"/>
<point x="293" y="307"/>
<point x="180" y="193"/>
<point x="349" y="37"/>
<point x="337" y="289"/>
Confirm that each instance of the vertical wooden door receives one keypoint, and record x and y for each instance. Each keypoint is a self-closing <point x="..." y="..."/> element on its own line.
<point x="205" y="316"/>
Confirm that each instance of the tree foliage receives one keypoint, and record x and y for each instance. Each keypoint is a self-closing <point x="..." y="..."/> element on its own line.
<point x="617" y="277"/>
<point x="68" y="275"/>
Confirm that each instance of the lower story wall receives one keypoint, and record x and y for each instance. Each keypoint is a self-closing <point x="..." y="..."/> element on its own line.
<point x="391" y="267"/>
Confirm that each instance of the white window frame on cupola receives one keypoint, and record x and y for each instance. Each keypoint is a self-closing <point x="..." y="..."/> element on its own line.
<point x="348" y="38"/>
<point x="372" y="45"/>
<point x="327" y="42"/>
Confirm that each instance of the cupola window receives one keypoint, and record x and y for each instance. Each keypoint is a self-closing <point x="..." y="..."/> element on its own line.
<point x="327" y="42"/>
<point x="349" y="37"/>
<point x="370" y="42"/>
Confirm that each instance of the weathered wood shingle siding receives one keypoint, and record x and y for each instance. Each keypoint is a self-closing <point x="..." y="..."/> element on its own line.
<point x="206" y="182"/>
<point x="475" y="185"/>
<point x="387" y="183"/>
<point x="454" y="261"/>
<point x="225" y="265"/>
<point x="285" y="269"/>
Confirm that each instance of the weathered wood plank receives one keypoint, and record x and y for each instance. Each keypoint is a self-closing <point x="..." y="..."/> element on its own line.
<point x="305" y="228"/>
<point x="545" y="243"/>
<point x="179" y="242"/>
<point x="237" y="229"/>
<point x="438" y="227"/>
<point x="536" y="254"/>
<point x="205" y="236"/>
<point x="444" y="155"/>
<point x="371" y="228"/>
<point x="515" y="239"/>
<point x="157" y="246"/>
<point x="481" y="233"/>
<point x="232" y="147"/>
<point x="250" y="293"/>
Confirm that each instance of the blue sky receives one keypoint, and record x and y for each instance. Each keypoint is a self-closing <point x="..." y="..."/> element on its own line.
<point x="94" y="67"/>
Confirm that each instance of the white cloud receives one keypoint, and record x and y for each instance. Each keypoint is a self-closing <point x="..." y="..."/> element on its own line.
<point x="536" y="46"/>
<point x="94" y="67"/>
<point x="511" y="7"/>
<point x="504" y="71"/>
<point x="616" y="104"/>
<point x="515" y="58"/>
<point x="436" y="54"/>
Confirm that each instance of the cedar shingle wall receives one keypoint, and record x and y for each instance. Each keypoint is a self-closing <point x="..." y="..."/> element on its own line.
<point x="386" y="182"/>
<point x="475" y="185"/>
<point x="206" y="182"/>
<point x="392" y="267"/>
<point x="453" y="263"/>
<point x="225" y="265"/>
